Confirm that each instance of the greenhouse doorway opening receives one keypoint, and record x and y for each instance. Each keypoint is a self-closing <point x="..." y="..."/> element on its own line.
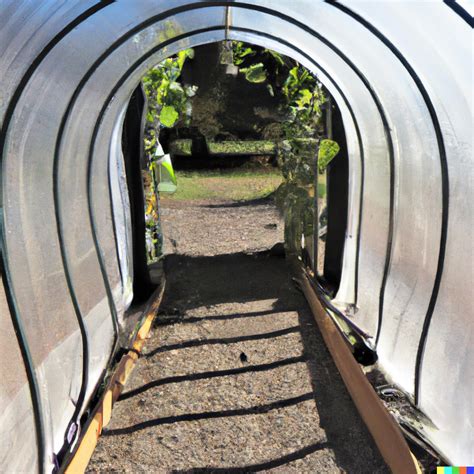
<point x="242" y="123"/>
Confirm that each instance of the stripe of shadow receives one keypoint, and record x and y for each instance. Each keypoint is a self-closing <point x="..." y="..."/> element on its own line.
<point x="228" y="340"/>
<point x="213" y="374"/>
<point x="255" y="410"/>
<point x="221" y="317"/>
<point x="300" y="454"/>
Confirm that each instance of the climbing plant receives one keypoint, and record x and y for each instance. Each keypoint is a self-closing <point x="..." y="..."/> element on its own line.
<point x="168" y="105"/>
<point x="168" y="102"/>
<point x="301" y="98"/>
<point x="328" y="149"/>
<point x="301" y="93"/>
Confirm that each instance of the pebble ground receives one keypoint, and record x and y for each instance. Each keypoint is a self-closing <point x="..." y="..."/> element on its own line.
<point x="235" y="376"/>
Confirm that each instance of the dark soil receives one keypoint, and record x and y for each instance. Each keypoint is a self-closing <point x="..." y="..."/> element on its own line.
<point x="235" y="376"/>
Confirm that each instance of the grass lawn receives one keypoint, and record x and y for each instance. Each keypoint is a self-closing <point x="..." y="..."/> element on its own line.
<point x="231" y="185"/>
<point x="321" y="186"/>
<point x="234" y="185"/>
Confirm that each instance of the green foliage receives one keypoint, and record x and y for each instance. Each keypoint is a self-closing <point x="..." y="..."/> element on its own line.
<point x="296" y="159"/>
<point x="301" y="93"/>
<point x="240" y="51"/>
<point x="167" y="99"/>
<point x="168" y="116"/>
<point x="255" y="73"/>
<point x="167" y="105"/>
<point x="275" y="65"/>
<point x="328" y="149"/>
<point x="304" y="98"/>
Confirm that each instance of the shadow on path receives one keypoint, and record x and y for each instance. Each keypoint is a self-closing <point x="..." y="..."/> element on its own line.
<point x="213" y="374"/>
<point x="224" y="340"/>
<point x="300" y="454"/>
<point x="243" y="278"/>
<point x="255" y="410"/>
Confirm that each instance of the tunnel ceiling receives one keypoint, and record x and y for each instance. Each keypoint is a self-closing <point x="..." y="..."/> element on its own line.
<point x="400" y="73"/>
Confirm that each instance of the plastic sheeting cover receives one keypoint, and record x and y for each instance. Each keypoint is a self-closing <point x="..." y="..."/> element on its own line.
<point x="400" y="73"/>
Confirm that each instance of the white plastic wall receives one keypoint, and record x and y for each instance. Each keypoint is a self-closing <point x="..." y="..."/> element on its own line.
<point x="401" y="73"/>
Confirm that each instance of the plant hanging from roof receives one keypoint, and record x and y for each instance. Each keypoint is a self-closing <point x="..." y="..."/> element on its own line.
<point x="301" y="92"/>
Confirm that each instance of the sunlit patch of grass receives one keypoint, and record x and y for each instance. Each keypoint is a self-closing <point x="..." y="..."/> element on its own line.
<point x="233" y="185"/>
<point x="321" y="186"/>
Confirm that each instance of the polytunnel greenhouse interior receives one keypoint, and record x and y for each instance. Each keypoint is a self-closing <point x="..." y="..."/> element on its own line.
<point x="236" y="236"/>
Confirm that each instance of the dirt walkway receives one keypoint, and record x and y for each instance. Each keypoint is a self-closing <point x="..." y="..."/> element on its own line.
<point x="235" y="377"/>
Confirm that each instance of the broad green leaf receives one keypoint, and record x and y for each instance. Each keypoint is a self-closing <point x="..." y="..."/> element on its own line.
<point x="305" y="97"/>
<point x="328" y="149"/>
<point x="277" y="56"/>
<point x="255" y="73"/>
<point x="181" y="59"/>
<point x="294" y="72"/>
<point x="183" y="55"/>
<point x="168" y="116"/>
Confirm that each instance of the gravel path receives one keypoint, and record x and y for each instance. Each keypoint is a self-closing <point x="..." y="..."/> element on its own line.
<point x="235" y="376"/>
<point x="214" y="228"/>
